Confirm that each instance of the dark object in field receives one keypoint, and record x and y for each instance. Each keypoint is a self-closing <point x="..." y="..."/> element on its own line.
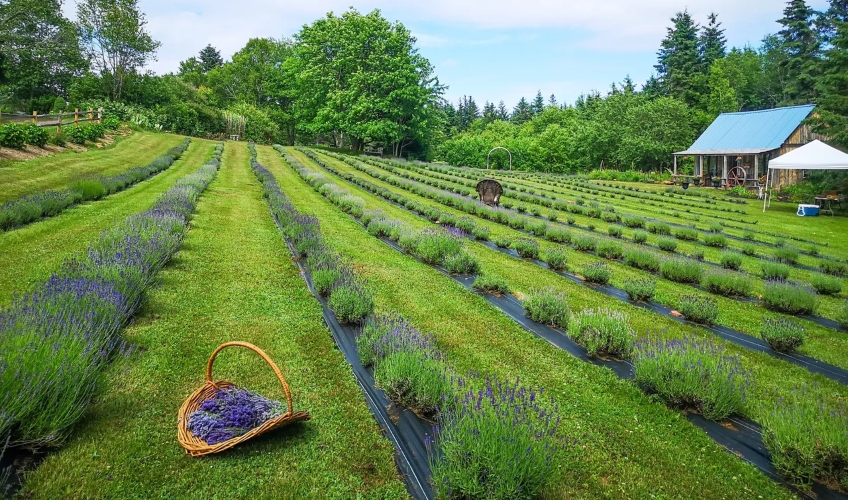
<point x="490" y="191"/>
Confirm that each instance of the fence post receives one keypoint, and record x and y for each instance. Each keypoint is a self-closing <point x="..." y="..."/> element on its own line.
<point x="76" y="116"/>
<point x="90" y="114"/>
<point x="100" y="115"/>
<point x="35" y="117"/>
<point x="59" y="125"/>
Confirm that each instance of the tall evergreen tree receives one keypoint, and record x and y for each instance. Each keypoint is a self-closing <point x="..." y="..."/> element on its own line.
<point x="210" y="58"/>
<point x="552" y="101"/>
<point x="679" y="61"/>
<point x="489" y="112"/>
<point x="627" y="85"/>
<point x="502" y="113"/>
<point x="522" y="112"/>
<point x="538" y="104"/>
<point x="712" y="44"/>
<point x="833" y="84"/>
<point x="800" y="44"/>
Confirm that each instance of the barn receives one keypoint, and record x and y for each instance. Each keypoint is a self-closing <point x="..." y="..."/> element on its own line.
<point x="736" y="147"/>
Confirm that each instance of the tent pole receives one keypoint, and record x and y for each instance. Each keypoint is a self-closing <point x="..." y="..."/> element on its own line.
<point x="766" y="190"/>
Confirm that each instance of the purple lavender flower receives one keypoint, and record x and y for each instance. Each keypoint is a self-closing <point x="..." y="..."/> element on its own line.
<point x="230" y="413"/>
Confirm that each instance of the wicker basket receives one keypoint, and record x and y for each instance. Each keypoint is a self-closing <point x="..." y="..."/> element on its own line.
<point x="195" y="446"/>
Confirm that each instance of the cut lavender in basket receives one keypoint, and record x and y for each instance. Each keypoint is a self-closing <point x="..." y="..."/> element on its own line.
<point x="230" y="413"/>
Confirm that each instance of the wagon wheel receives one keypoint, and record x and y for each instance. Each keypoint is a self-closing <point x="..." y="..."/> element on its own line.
<point x="736" y="177"/>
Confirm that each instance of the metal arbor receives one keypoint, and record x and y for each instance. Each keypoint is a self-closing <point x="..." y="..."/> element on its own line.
<point x="490" y="154"/>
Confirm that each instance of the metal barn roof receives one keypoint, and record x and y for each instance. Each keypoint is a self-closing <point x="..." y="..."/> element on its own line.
<point x="749" y="132"/>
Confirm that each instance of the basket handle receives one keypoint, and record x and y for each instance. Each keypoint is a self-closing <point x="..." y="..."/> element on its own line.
<point x="262" y="354"/>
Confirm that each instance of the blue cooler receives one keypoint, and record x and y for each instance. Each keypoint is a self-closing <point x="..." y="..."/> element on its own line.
<point x="808" y="210"/>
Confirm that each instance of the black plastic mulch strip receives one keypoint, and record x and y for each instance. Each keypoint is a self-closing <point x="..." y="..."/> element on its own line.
<point x="738" y="435"/>
<point x="404" y="428"/>
<point x="821" y="321"/>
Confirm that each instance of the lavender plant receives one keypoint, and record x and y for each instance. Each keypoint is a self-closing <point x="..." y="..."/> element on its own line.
<point x="783" y="335"/>
<point x="790" y="298"/>
<point x="547" y="306"/>
<point x="692" y="373"/>
<point x="602" y="332"/>
<point x="491" y="284"/>
<point x="640" y="289"/>
<point x="230" y="413"/>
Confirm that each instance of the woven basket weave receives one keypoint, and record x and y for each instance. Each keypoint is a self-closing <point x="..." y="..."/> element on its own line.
<point x="197" y="447"/>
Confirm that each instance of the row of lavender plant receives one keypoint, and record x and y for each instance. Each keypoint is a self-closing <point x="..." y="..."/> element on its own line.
<point x="56" y="341"/>
<point x="49" y="203"/>
<point x="688" y="373"/>
<point x="495" y="441"/>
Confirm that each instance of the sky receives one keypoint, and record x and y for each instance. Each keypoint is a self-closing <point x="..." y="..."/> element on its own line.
<point x="489" y="49"/>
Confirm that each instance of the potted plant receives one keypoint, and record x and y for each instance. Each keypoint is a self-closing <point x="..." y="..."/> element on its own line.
<point x="696" y="180"/>
<point x="716" y="182"/>
<point x="685" y="183"/>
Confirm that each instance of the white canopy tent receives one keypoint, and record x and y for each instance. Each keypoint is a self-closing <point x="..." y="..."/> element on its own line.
<point x="815" y="155"/>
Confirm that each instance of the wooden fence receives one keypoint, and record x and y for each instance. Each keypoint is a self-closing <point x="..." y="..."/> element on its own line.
<point x="57" y="119"/>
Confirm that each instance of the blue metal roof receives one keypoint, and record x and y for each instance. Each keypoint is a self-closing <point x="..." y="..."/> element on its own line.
<point x="750" y="131"/>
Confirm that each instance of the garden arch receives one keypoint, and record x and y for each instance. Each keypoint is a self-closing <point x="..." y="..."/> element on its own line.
<point x="490" y="154"/>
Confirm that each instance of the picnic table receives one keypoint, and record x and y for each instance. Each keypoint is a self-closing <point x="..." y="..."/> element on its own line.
<point x="827" y="203"/>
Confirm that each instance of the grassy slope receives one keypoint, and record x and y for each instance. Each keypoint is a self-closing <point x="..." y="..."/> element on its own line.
<point x="29" y="254"/>
<point x="57" y="171"/>
<point x="628" y="445"/>
<point x="233" y="280"/>
<point x="822" y="343"/>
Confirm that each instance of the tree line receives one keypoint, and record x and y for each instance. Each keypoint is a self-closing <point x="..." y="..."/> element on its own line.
<point x="697" y="78"/>
<point x="357" y="80"/>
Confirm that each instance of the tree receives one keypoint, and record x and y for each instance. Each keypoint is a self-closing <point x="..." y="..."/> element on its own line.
<point x="114" y="36"/>
<point x="522" y="112"/>
<point x="489" y="112"/>
<point x="799" y="43"/>
<point x="712" y="45"/>
<point x="722" y="96"/>
<point x="538" y="104"/>
<point x="679" y="60"/>
<point x="191" y="70"/>
<point x="833" y="84"/>
<point x="39" y="52"/>
<point x="552" y="101"/>
<point x="627" y="85"/>
<point x="502" y="113"/>
<point x="210" y="59"/>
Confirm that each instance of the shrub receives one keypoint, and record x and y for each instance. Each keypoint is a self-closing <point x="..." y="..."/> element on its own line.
<point x="412" y="379"/>
<point x="95" y="131"/>
<point x="35" y="135"/>
<point x="58" y="139"/>
<point x="634" y="222"/>
<point x="13" y="135"/>
<point x="610" y="250"/>
<point x="790" y="298"/>
<point x="834" y="268"/>
<point x="660" y="228"/>
<point x="535" y="227"/>
<point x="686" y="234"/>
<point x="480" y="451"/>
<point x="715" y="240"/>
<point x="526" y="248"/>
<point x="433" y="246"/>
<point x="786" y="255"/>
<point x="715" y="227"/>
<point x="461" y="263"/>
<point x="503" y="242"/>
<point x="590" y="226"/>
<point x="775" y="271"/>
<point x="480" y="233"/>
<point x="749" y="250"/>
<point x="90" y="189"/>
<point x="76" y="134"/>
<point x="323" y="279"/>
<point x="386" y="334"/>
<point x="552" y="216"/>
<point x="681" y="270"/>
<point x="808" y="439"/>
<point x="826" y="285"/>
<point x="842" y="316"/>
<point x="614" y="231"/>
<point x="697" y="255"/>
<point x="597" y="272"/>
<point x="521" y="208"/>
<point x="556" y="258"/>
<point x="667" y="244"/>
<point x="748" y="236"/>
<point x="350" y="299"/>
<point x="698" y="309"/>
<point x="547" y="306"/>
<point x="491" y="284"/>
<point x="727" y="283"/>
<point x="692" y="373"/>
<point x="570" y="220"/>
<point x="640" y="289"/>
<point x="111" y="123"/>
<point x="731" y="260"/>
<point x="642" y="259"/>
<point x="558" y="234"/>
<point x="640" y="237"/>
<point x="783" y="335"/>
<point x="602" y="332"/>
<point x="585" y="243"/>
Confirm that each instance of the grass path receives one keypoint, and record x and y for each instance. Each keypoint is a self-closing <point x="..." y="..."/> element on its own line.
<point x="232" y="280"/>
<point x="628" y="445"/>
<point x="28" y="255"/>
<point x="59" y="170"/>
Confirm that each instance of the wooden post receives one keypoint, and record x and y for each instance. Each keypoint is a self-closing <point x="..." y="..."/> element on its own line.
<point x="100" y="115"/>
<point x="724" y="170"/>
<point x="90" y="114"/>
<point x="59" y="125"/>
<point x="675" y="166"/>
<point x="76" y="116"/>
<point x="35" y="117"/>
<point x="757" y="167"/>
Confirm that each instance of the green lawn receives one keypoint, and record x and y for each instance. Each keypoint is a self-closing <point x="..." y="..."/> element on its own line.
<point x="628" y="445"/>
<point x="29" y="254"/>
<point x="59" y="170"/>
<point x="232" y="280"/>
